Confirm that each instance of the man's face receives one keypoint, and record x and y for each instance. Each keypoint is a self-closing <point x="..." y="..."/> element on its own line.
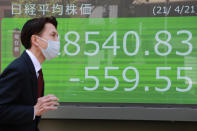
<point x="49" y="33"/>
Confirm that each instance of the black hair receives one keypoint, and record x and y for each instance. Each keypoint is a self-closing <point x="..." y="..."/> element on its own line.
<point x="34" y="27"/>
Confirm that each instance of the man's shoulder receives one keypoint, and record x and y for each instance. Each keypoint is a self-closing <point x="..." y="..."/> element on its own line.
<point x="21" y="66"/>
<point x="18" y="64"/>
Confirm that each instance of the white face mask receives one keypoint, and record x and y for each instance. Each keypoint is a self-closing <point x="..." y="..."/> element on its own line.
<point x="52" y="50"/>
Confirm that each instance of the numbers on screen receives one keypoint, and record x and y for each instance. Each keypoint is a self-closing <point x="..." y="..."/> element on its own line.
<point x="114" y="47"/>
<point x="159" y="77"/>
<point x="87" y="41"/>
<point x="136" y="80"/>
<point x="87" y="76"/>
<point x="186" y="42"/>
<point x="163" y="42"/>
<point x="169" y="46"/>
<point x="125" y="43"/>
<point x="107" y="76"/>
<point x="163" y="46"/>
<point x="72" y="43"/>
<point x="179" y="77"/>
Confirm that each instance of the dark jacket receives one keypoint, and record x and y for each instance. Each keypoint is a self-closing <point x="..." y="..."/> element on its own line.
<point x="18" y="95"/>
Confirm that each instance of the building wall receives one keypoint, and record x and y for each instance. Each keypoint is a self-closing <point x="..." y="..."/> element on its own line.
<point x="115" y="125"/>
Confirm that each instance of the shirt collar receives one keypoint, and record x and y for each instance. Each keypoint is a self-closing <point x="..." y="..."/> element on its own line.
<point x="34" y="60"/>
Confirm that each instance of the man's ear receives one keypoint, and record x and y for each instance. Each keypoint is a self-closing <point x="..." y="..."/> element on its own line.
<point x="34" y="40"/>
